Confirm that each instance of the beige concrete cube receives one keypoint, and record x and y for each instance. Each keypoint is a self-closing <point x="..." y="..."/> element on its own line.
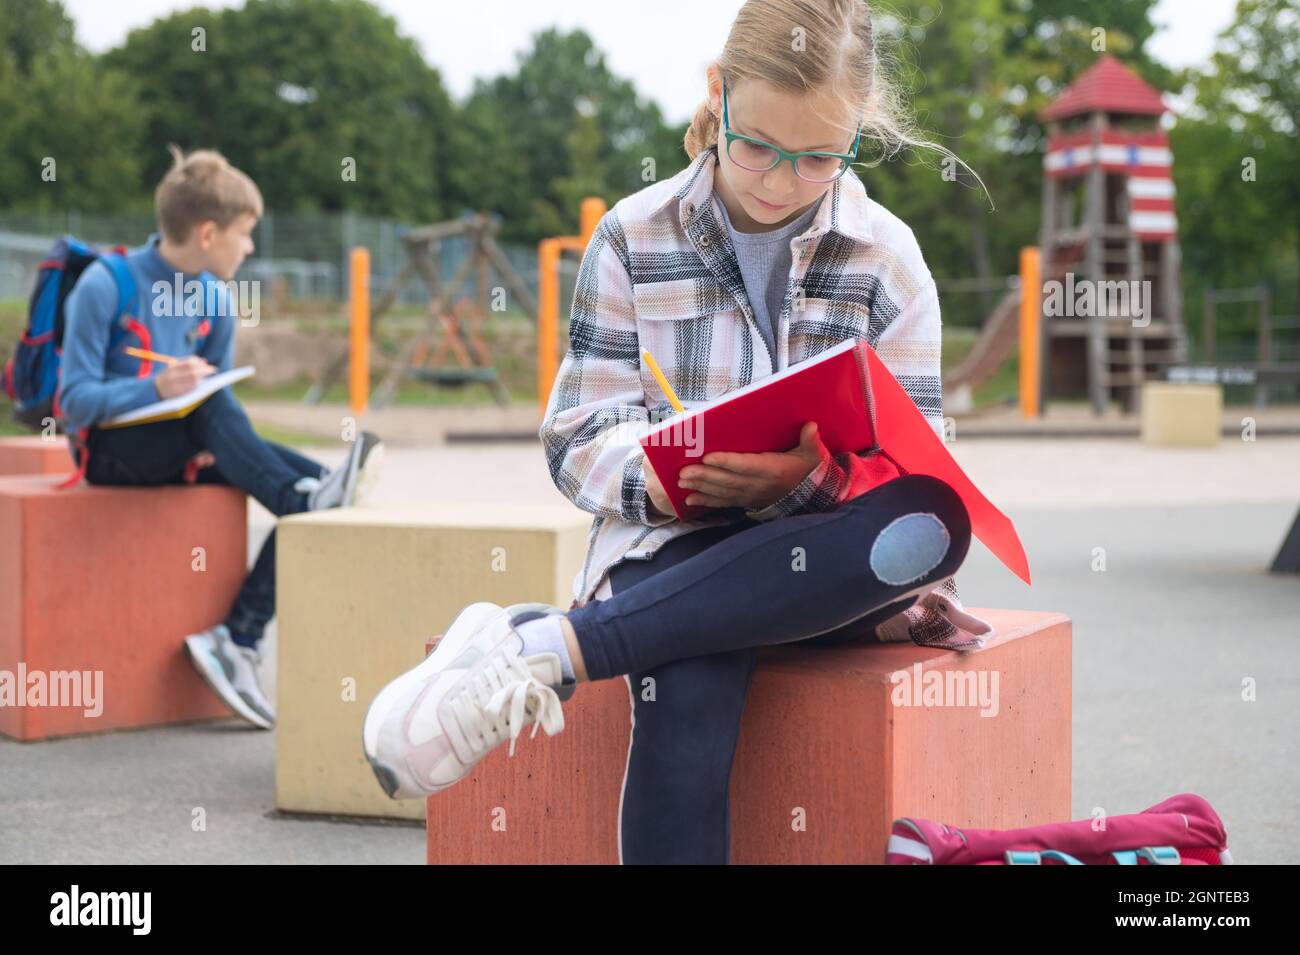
<point x="1181" y="414"/>
<point x="360" y="590"/>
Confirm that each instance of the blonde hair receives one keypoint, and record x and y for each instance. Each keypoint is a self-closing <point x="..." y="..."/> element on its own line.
<point x="199" y="187"/>
<point x="804" y="45"/>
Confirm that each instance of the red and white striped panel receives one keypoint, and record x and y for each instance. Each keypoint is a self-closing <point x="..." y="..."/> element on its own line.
<point x="1071" y="154"/>
<point x="1144" y="157"/>
<point x="1151" y="208"/>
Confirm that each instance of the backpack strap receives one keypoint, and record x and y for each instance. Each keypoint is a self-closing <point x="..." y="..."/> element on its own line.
<point x="81" y="443"/>
<point x="1029" y="857"/>
<point x="211" y="295"/>
<point x="116" y="262"/>
<point x="1159" y="855"/>
<point x="125" y="282"/>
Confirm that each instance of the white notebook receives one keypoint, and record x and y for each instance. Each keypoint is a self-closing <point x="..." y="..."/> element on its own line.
<point x="180" y="405"/>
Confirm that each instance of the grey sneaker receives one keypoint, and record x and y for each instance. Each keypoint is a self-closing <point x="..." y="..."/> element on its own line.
<point x="352" y="481"/>
<point x="231" y="671"/>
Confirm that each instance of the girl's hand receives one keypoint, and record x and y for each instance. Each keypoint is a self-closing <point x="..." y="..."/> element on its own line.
<point x="654" y="490"/>
<point x="734" y="479"/>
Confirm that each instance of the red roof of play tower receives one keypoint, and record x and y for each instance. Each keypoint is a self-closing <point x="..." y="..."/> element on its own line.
<point x="1107" y="86"/>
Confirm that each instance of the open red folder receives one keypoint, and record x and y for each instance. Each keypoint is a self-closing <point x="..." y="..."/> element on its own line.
<point x="857" y="404"/>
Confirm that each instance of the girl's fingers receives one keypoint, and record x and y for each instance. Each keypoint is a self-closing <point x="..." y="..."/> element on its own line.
<point x="717" y="489"/>
<point x="717" y="476"/>
<point x="733" y="461"/>
<point x="706" y="500"/>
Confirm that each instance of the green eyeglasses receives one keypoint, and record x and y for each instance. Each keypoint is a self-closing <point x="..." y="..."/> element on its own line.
<point x="758" y="155"/>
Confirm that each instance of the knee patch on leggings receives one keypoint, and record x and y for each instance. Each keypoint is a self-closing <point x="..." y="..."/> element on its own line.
<point x="909" y="547"/>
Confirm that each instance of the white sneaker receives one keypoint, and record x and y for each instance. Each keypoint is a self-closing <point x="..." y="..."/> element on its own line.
<point x="429" y="727"/>
<point x="231" y="671"/>
<point x="353" y="481"/>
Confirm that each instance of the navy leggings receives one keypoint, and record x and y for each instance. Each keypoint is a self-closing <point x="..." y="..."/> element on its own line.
<point x="691" y="618"/>
<point x="155" y="453"/>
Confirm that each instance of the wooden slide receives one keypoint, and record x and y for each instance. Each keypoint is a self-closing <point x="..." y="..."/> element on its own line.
<point x="997" y="338"/>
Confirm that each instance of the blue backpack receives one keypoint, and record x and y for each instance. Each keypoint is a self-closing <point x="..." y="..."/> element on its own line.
<point x="31" y="376"/>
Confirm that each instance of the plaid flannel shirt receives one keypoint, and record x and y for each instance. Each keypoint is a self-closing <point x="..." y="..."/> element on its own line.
<point x="660" y="273"/>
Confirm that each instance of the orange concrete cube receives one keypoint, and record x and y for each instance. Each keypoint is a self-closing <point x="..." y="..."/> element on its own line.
<point x="33" y="454"/>
<point x="835" y="744"/>
<point x="100" y="586"/>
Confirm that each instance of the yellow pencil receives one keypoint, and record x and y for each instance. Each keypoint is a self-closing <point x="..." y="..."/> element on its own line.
<point x="151" y="355"/>
<point x="649" y="359"/>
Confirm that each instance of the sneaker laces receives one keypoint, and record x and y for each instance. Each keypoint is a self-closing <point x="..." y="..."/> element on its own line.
<point x="505" y="681"/>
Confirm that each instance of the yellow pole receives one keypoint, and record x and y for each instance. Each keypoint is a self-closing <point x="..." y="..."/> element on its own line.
<point x="1031" y="310"/>
<point x="359" y="314"/>
<point x="548" y="317"/>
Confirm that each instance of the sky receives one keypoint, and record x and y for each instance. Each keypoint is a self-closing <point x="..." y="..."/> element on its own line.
<point x="664" y="55"/>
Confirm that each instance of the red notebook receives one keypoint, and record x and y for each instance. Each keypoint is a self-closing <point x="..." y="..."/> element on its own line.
<point x="857" y="404"/>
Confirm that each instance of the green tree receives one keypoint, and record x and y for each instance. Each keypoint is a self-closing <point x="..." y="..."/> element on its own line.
<point x="33" y="29"/>
<point x="977" y="72"/>
<point x="297" y="93"/>
<point x="70" y="128"/>
<point x="561" y="127"/>
<point x="1237" y="151"/>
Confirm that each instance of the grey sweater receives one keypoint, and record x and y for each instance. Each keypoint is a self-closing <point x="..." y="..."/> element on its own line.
<point x="764" y="259"/>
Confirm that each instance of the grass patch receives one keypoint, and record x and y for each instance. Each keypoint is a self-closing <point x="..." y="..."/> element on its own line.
<point x="8" y="426"/>
<point x="288" y="436"/>
<point x="271" y="432"/>
<point x="1002" y="387"/>
<point x="408" y="393"/>
<point x="517" y="372"/>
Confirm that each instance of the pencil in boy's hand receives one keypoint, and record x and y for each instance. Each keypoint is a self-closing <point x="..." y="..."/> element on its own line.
<point x="152" y="355"/>
<point x="649" y="359"/>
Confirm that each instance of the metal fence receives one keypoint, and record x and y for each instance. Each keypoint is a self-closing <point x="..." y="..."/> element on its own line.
<point x="307" y="251"/>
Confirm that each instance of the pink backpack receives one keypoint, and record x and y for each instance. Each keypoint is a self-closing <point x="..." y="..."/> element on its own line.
<point x="1182" y="830"/>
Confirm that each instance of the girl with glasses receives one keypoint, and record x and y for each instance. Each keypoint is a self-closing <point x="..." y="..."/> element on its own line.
<point x="763" y="252"/>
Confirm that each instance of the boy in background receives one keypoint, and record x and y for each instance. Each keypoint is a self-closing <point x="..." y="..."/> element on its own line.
<point x="206" y="211"/>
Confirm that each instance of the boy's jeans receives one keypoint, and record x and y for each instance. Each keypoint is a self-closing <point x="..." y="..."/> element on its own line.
<point x="156" y="453"/>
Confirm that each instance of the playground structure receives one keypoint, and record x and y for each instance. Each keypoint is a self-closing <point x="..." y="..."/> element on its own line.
<point x="1108" y="230"/>
<point x="1096" y="311"/>
<point x="1108" y="220"/>
<point x="999" y="334"/>
<point x="453" y="327"/>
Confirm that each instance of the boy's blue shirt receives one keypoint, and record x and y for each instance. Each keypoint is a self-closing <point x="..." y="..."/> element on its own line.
<point x="97" y="384"/>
